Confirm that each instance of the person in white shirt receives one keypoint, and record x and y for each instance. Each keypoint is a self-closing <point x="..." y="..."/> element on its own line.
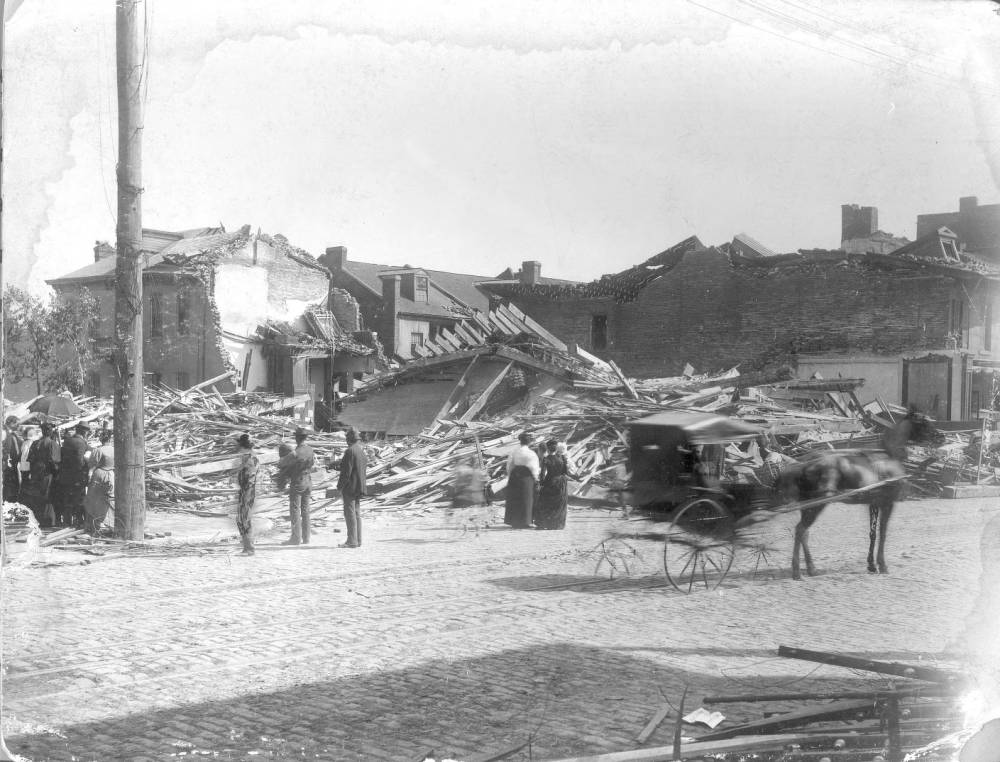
<point x="523" y="470"/>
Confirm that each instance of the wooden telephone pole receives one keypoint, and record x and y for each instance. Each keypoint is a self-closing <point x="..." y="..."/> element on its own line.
<point x="5" y="753"/>
<point x="130" y="446"/>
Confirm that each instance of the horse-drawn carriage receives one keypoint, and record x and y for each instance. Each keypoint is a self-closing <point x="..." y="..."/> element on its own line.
<point x="677" y="462"/>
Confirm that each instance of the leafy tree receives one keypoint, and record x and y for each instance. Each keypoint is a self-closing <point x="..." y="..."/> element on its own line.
<point x="48" y="340"/>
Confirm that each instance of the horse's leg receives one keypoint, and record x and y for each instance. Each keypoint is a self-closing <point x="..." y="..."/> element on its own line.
<point x="873" y="522"/>
<point x="885" y="515"/>
<point x="806" y="520"/>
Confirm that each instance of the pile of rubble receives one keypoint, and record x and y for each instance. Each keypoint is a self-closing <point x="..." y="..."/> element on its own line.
<point x="528" y="381"/>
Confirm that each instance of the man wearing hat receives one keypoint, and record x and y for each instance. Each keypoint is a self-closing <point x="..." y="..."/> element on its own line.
<point x="300" y="489"/>
<point x="352" y="484"/>
<point x="71" y="483"/>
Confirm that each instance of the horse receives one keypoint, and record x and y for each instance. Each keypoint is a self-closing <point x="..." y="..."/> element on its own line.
<point x="834" y="472"/>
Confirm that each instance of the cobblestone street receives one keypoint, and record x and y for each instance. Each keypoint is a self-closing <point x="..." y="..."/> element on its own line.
<point x="435" y="639"/>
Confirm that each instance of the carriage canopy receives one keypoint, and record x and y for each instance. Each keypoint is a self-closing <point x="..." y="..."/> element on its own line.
<point x="699" y="428"/>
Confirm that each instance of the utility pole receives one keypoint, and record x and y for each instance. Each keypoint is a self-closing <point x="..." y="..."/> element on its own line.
<point x="4" y="751"/>
<point x="130" y="445"/>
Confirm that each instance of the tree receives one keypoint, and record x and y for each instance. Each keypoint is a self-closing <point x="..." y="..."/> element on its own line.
<point x="48" y="340"/>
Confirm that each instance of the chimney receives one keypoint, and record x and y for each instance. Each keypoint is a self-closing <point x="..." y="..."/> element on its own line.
<point x="531" y="272"/>
<point x="967" y="204"/>
<point x="390" y="308"/>
<point x="103" y="249"/>
<point x="334" y="259"/>
<point x="857" y="221"/>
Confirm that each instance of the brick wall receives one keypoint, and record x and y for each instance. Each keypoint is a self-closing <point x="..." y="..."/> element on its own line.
<point x="713" y="315"/>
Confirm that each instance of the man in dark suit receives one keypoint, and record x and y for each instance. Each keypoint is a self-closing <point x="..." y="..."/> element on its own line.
<point x="352" y="484"/>
<point x="71" y="483"/>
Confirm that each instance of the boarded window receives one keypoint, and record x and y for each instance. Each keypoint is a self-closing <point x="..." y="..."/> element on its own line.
<point x="183" y="314"/>
<point x="155" y="316"/>
<point x="599" y="332"/>
<point x="420" y="289"/>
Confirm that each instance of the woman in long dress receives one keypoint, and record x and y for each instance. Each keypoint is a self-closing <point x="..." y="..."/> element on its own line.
<point x="523" y="471"/>
<point x="246" y="482"/>
<point x="100" y="497"/>
<point x="552" y="494"/>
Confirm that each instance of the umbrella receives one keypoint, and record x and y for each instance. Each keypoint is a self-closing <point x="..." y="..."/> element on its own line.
<point x="55" y="405"/>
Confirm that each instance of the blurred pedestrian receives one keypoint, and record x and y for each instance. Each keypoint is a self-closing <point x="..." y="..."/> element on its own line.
<point x="468" y="488"/>
<point x="246" y="482"/>
<point x="100" y="499"/>
<point x="300" y="488"/>
<point x="523" y="470"/>
<point x="353" y="483"/>
<point x="13" y="446"/>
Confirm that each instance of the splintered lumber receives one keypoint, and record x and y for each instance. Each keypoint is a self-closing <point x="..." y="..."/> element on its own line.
<point x="834" y="710"/>
<point x="454" y="396"/>
<point x="61" y="536"/>
<point x="480" y="403"/>
<point x="625" y="382"/>
<point x="913" y="671"/>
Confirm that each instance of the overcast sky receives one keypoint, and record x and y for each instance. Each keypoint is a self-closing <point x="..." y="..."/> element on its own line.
<point x="471" y="135"/>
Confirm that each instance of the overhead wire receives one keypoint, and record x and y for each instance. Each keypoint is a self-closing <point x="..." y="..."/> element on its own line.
<point x="812" y="28"/>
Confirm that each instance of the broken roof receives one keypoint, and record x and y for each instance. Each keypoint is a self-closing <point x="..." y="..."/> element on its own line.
<point x="450" y="287"/>
<point x="160" y="245"/>
<point x="623" y="286"/>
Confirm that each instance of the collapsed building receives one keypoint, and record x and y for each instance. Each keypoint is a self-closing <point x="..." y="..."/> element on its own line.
<point x="216" y="302"/>
<point x="918" y="324"/>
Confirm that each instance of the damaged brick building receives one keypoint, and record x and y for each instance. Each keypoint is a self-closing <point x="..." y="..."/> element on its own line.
<point x="919" y="326"/>
<point x="217" y="301"/>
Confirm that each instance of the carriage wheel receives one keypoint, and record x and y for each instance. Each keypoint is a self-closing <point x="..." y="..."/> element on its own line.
<point x="616" y="557"/>
<point x="699" y="546"/>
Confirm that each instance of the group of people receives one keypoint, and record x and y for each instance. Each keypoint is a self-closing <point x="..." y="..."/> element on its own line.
<point x="537" y="487"/>
<point x="65" y="482"/>
<point x="294" y="473"/>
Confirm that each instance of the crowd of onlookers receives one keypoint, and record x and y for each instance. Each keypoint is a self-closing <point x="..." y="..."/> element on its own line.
<point x="66" y="479"/>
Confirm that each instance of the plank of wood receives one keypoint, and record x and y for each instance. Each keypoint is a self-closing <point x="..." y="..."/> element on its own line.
<point x="480" y="403"/>
<point x="537" y="328"/>
<point x="651" y="726"/>
<point x="471" y="332"/>
<point x="503" y="323"/>
<point x="447" y="339"/>
<point x="696" y="748"/>
<point x="833" y="710"/>
<point x="225" y="464"/>
<point x="621" y="377"/>
<point x="453" y="397"/>
<point x="913" y="671"/>
<point x="920" y="690"/>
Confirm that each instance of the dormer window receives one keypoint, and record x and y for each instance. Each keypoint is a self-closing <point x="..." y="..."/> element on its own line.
<point x="414" y="287"/>
<point x="950" y="252"/>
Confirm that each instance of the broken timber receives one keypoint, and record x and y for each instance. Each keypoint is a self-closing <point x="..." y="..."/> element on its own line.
<point x="916" y="672"/>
